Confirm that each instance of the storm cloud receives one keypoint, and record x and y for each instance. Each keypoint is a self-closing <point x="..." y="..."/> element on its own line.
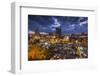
<point x="68" y="24"/>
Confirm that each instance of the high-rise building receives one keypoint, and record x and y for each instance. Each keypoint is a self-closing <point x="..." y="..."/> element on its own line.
<point x="58" y="30"/>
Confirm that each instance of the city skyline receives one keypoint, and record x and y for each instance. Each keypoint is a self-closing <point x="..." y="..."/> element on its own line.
<point x="57" y="37"/>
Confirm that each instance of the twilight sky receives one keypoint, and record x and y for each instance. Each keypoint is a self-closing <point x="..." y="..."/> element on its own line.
<point x="68" y="24"/>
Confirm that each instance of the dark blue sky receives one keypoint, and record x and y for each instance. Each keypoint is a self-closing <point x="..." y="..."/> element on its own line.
<point x="68" y="24"/>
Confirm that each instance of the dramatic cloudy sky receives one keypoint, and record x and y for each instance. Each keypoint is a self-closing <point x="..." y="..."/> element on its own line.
<point x="68" y="24"/>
